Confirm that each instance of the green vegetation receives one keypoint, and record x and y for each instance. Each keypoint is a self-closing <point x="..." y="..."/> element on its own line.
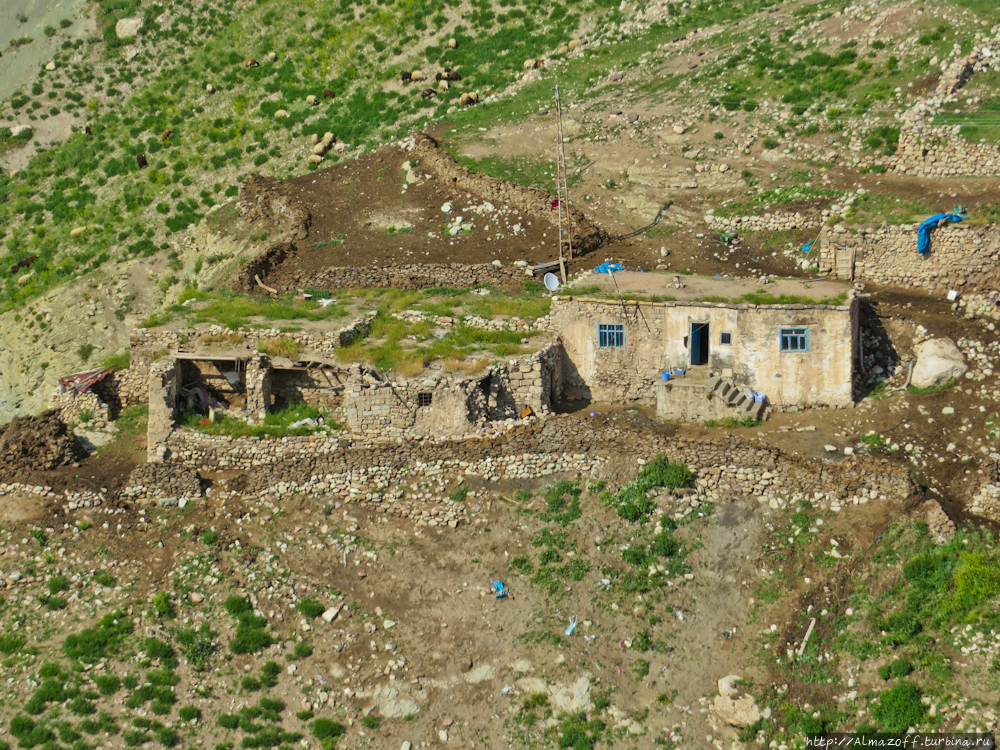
<point x="251" y="634"/>
<point x="632" y="502"/>
<point x="276" y="423"/>
<point x="931" y="389"/>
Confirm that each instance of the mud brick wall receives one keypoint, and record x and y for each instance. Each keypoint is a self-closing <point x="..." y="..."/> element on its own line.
<point x="962" y="256"/>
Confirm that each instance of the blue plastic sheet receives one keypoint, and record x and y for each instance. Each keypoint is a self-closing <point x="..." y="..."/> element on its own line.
<point x="806" y="247"/>
<point x="609" y="268"/>
<point x="499" y="588"/>
<point x="924" y="232"/>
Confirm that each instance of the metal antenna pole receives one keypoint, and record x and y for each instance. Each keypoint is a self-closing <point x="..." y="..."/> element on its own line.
<point x="562" y="193"/>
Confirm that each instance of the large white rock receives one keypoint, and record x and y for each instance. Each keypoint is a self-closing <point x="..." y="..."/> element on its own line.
<point x="742" y="712"/>
<point x="727" y="685"/>
<point x="126" y="28"/>
<point x="938" y="362"/>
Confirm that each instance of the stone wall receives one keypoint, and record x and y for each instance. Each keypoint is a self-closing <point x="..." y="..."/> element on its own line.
<point x="657" y="339"/>
<point x="962" y="256"/>
<point x="414" y="276"/>
<point x="319" y="387"/>
<point x="378" y="409"/>
<point x="163" y="385"/>
<point x="727" y="466"/>
<point x="927" y="151"/>
<point x="775" y="222"/>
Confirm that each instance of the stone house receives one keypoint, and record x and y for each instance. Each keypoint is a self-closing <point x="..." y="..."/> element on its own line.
<point x="621" y="352"/>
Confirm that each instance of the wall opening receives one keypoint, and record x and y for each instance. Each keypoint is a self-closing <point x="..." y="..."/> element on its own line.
<point x="425" y="399"/>
<point x="699" y="343"/>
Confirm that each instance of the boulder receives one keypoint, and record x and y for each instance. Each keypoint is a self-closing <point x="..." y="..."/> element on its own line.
<point x="126" y="28"/>
<point x="742" y="712"/>
<point x="727" y="685"/>
<point x="939" y="361"/>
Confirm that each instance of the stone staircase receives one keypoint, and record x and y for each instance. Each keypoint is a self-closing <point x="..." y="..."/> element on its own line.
<point x="700" y="395"/>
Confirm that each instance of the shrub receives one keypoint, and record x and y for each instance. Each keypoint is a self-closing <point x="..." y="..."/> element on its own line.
<point x="117" y="361"/>
<point x="901" y="667"/>
<point x="269" y="674"/>
<point x="84" y="351"/>
<point x="228" y="721"/>
<point x="198" y="646"/>
<point x="899" y="708"/>
<point x="250" y="683"/>
<point x="371" y="722"/>
<point x="57" y="584"/>
<point x="303" y="650"/>
<point x="770" y="143"/>
<point x="163" y="605"/>
<point x="327" y="729"/>
<point x="209" y="538"/>
<point x="189" y="713"/>
<point x="107" y="684"/>
<point x="100" y="641"/>
<point x="11" y="643"/>
<point x="310" y="607"/>
<point x="104" y="578"/>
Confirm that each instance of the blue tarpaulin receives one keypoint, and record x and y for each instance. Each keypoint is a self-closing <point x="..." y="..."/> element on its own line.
<point x="924" y="232"/>
<point x="609" y="268"/>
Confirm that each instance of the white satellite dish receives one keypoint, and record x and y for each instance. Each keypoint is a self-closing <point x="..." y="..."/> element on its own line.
<point x="551" y="281"/>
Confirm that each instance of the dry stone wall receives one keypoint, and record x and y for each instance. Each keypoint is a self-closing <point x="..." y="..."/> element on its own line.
<point x="962" y="256"/>
<point x="727" y="467"/>
<point x="414" y="276"/>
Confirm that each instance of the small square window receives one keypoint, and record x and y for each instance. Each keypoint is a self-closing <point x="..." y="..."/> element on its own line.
<point x="610" y="335"/>
<point x="726" y="338"/>
<point x="794" y="339"/>
<point x="424" y="399"/>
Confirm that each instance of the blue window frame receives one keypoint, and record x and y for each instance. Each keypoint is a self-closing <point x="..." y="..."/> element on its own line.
<point x="610" y="335"/>
<point x="794" y="339"/>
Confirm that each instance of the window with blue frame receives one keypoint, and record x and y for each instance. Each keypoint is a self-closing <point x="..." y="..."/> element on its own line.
<point x="610" y="335"/>
<point x="794" y="339"/>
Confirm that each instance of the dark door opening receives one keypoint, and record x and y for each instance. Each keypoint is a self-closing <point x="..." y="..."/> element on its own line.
<point x="699" y="343"/>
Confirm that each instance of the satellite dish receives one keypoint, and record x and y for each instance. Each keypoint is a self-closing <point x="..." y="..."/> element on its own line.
<point x="551" y="281"/>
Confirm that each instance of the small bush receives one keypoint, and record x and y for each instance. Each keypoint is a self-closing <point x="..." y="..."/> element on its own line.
<point x="57" y="584"/>
<point x="323" y="729"/>
<point x="189" y="713"/>
<point x="163" y="605"/>
<point x="901" y="667"/>
<point x="209" y="538"/>
<point x="371" y="722"/>
<point x="269" y="674"/>
<point x="310" y="607"/>
<point x="228" y="721"/>
<point x="107" y="684"/>
<point x="770" y="143"/>
<point x="250" y="683"/>
<point x="303" y="650"/>
<point x="899" y="708"/>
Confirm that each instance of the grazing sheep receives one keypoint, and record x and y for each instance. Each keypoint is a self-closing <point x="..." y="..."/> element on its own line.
<point x="315" y="159"/>
<point x="574" y="43"/>
<point x="77" y="232"/>
<point x="319" y="149"/>
<point x="23" y="264"/>
<point x="251" y="63"/>
<point x="418" y="75"/>
<point x="452" y="43"/>
<point x="141" y="161"/>
<point x="272" y="57"/>
<point x="328" y="138"/>
<point x="210" y="88"/>
<point x="314" y="139"/>
<point x="427" y="93"/>
<point x="466" y="100"/>
<point x="281" y="114"/>
<point x="327" y="94"/>
<point x="311" y="100"/>
<point x="25" y="279"/>
<point x="405" y="76"/>
<point x="165" y="135"/>
<point x="448" y="75"/>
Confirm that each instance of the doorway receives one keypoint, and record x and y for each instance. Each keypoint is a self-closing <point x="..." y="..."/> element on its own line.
<point x="699" y="344"/>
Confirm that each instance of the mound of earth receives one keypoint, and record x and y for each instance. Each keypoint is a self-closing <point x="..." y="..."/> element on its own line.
<point x="403" y="204"/>
<point x="36" y="442"/>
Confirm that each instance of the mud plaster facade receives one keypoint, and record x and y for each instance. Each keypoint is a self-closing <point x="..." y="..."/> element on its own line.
<point x="962" y="256"/>
<point x="658" y="337"/>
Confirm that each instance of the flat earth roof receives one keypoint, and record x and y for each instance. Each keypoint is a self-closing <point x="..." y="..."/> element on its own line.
<point x="697" y="287"/>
